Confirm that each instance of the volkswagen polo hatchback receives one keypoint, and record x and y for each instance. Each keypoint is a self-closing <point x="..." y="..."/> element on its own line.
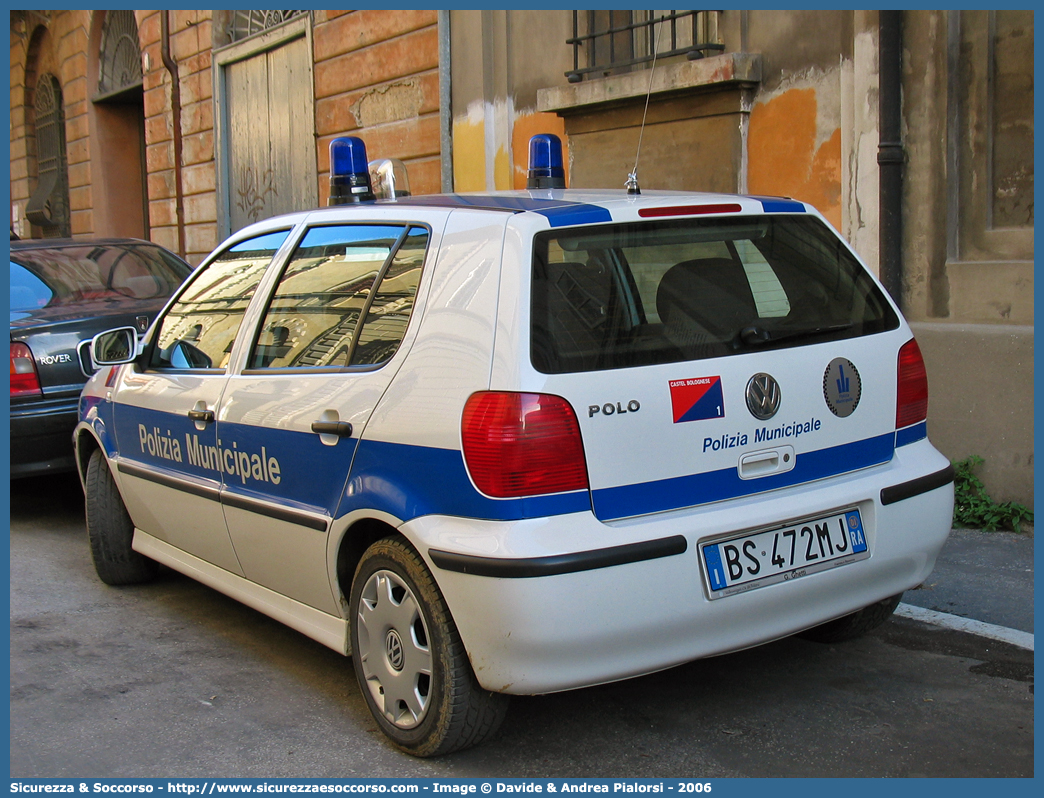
<point x="523" y="442"/>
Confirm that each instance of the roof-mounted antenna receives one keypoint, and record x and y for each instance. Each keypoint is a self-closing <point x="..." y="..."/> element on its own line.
<point x="632" y="179"/>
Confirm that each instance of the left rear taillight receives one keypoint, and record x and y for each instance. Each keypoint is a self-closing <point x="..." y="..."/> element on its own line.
<point x="522" y="444"/>
<point x="24" y="379"/>
<point x="911" y="404"/>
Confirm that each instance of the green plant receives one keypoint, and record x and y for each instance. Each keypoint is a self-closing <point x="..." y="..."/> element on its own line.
<point x="974" y="509"/>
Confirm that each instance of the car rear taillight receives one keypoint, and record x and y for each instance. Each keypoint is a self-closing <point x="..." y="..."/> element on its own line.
<point x="911" y="405"/>
<point x="522" y="444"/>
<point x="24" y="379"/>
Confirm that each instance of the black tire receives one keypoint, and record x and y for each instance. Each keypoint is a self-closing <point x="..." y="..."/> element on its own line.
<point x="411" y="665"/>
<point x="855" y="625"/>
<point x="110" y="530"/>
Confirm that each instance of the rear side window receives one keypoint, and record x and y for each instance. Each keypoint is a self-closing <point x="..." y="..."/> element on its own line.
<point x="344" y="299"/>
<point x="660" y="292"/>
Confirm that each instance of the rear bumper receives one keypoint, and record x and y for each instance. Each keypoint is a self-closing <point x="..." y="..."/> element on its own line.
<point x="41" y="437"/>
<point x="578" y="626"/>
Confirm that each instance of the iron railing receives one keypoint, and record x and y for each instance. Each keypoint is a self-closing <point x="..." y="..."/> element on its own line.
<point x="614" y="41"/>
<point x="246" y="23"/>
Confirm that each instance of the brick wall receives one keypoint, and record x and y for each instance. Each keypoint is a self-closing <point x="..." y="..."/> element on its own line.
<point x="59" y="49"/>
<point x="376" y="76"/>
<point x="191" y="41"/>
<point x="70" y="32"/>
<point x="19" y="142"/>
<point x="375" y="72"/>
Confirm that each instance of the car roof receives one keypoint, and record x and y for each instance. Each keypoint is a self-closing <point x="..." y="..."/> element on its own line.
<point x="562" y="207"/>
<point x="542" y="199"/>
<point x="61" y="243"/>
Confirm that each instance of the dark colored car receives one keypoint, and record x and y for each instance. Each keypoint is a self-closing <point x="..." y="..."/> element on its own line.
<point x="64" y="292"/>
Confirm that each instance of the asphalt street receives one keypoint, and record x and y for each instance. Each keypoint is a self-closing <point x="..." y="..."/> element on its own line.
<point x="987" y="576"/>
<point x="175" y="680"/>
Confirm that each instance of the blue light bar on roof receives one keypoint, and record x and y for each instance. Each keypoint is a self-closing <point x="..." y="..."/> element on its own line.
<point x="349" y="171"/>
<point x="545" y="162"/>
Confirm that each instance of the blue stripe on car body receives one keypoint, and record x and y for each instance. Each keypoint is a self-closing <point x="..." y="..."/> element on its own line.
<point x="777" y="205"/>
<point x="912" y="434"/>
<point x="298" y="456"/>
<point x="560" y="213"/>
<point x="97" y="412"/>
<point x="410" y="481"/>
<point x="678" y="492"/>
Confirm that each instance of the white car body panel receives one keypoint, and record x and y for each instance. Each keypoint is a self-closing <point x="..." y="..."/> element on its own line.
<point x="559" y="632"/>
<point x="322" y="627"/>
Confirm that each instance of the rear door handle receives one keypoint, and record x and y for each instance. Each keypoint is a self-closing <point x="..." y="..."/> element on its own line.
<point x="342" y="429"/>
<point x="206" y="416"/>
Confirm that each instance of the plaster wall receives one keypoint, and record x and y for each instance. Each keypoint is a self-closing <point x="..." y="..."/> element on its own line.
<point x="980" y="381"/>
<point x="501" y="58"/>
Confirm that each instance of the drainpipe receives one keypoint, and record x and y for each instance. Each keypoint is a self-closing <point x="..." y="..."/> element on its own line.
<point x="175" y="120"/>
<point x="445" y="103"/>
<point x="890" y="155"/>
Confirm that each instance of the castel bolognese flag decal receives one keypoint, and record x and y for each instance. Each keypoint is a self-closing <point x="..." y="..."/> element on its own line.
<point x="697" y="398"/>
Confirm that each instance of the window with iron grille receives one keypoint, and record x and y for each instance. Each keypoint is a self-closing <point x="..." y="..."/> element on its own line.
<point x="608" y="42"/>
<point x="247" y="23"/>
<point x="48" y="206"/>
<point x="120" y="55"/>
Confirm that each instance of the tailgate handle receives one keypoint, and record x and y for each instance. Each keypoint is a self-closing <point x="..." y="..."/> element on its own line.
<point x="761" y="457"/>
<point x="765" y="462"/>
<point x="342" y="429"/>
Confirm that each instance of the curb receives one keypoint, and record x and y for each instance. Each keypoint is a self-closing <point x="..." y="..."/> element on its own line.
<point x="1003" y="634"/>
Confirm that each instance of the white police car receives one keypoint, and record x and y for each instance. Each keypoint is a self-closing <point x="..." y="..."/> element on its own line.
<point x="522" y="442"/>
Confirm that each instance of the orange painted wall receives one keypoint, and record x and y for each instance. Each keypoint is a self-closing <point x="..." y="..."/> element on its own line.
<point x="783" y="159"/>
<point x="526" y="126"/>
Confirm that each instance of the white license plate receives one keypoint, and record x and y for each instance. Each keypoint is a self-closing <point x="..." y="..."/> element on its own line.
<point x="784" y="553"/>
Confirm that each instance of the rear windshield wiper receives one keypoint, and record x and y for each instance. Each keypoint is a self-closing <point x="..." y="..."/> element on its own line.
<point x="753" y="335"/>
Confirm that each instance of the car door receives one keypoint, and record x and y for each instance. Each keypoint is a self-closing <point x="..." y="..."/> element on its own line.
<point x="171" y="459"/>
<point x="329" y="341"/>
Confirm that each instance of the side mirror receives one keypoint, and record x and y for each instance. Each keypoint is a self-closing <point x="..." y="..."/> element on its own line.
<point x="114" y="347"/>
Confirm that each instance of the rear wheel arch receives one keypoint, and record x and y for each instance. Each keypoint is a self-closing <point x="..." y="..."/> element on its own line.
<point x="353" y="545"/>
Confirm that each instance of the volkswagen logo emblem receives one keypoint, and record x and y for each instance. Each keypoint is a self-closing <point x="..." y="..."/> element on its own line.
<point x="762" y="396"/>
<point x="393" y="645"/>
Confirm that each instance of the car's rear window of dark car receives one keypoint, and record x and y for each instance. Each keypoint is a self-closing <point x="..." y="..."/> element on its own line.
<point x="625" y="295"/>
<point x="49" y="277"/>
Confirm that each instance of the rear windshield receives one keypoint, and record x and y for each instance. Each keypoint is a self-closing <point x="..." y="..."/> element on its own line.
<point x="660" y="292"/>
<point x="66" y="275"/>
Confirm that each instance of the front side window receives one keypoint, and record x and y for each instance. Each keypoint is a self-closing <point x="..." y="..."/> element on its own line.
<point x="199" y="329"/>
<point x="345" y="298"/>
<point x="661" y="292"/>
